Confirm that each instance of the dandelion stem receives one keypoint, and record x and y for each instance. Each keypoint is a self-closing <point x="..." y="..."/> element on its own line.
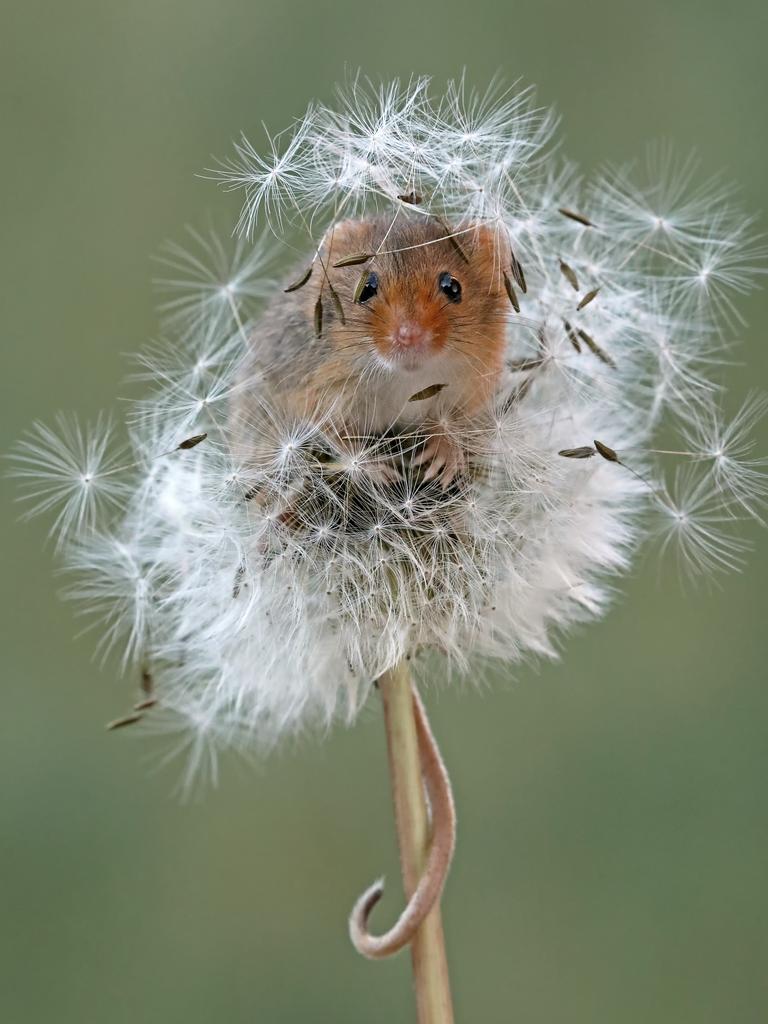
<point x="429" y="963"/>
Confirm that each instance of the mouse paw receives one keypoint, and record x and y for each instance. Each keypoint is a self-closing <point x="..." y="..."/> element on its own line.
<point x="444" y="460"/>
<point x="383" y="472"/>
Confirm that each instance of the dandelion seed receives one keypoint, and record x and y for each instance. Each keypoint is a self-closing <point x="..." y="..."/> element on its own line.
<point x="455" y="242"/>
<point x="319" y="316"/>
<point x="354" y="260"/>
<point x="584" y="452"/>
<point x="300" y="281"/>
<point x="191" y="442"/>
<point x="578" y="217"/>
<point x="206" y="275"/>
<point x="360" y="286"/>
<point x="607" y="453"/>
<point x="269" y="181"/>
<point x="511" y="293"/>
<point x="120" y="723"/>
<point x="428" y="392"/>
<point x="587" y="299"/>
<point x="146" y="704"/>
<point x="595" y="349"/>
<point x="570" y="275"/>
<point x="691" y="526"/>
<point x="728" y="446"/>
<point x="521" y="365"/>
<point x="336" y="305"/>
<point x="573" y="337"/>
<point x="518" y="273"/>
<point x="71" y="471"/>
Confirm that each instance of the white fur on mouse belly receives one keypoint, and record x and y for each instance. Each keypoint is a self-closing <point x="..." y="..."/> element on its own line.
<point x="388" y="392"/>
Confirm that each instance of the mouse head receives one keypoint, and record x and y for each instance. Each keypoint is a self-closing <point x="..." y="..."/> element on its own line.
<point x="420" y="294"/>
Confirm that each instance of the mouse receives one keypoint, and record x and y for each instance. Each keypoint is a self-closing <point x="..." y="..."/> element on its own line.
<point x="399" y="323"/>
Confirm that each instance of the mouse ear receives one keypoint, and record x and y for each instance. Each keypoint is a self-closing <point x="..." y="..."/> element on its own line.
<point x="485" y="238"/>
<point x="489" y="251"/>
<point x="347" y="238"/>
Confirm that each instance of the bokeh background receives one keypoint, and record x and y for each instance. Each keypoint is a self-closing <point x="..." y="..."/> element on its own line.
<point x="613" y="832"/>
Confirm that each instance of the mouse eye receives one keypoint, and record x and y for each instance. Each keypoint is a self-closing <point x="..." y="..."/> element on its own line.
<point x="370" y="288"/>
<point x="450" y="287"/>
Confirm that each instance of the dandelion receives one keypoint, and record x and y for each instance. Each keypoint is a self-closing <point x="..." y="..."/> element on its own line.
<point x="435" y="437"/>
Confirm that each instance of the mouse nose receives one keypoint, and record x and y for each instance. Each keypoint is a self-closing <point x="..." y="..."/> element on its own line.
<point x="410" y="334"/>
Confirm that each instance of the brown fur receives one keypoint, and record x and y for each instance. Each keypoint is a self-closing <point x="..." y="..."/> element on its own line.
<point x="353" y="366"/>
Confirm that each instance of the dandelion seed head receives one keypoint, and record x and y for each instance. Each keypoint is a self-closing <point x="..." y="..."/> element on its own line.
<point x="270" y="572"/>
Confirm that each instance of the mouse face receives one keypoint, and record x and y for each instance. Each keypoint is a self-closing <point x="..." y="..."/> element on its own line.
<point x="423" y="296"/>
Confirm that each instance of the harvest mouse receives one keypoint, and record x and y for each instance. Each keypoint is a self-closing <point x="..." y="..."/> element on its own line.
<point x="397" y="324"/>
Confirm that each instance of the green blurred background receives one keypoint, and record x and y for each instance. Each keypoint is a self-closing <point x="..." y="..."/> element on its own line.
<point x="613" y="833"/>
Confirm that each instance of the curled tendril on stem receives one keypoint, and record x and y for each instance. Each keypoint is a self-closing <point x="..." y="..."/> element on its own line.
<point x="440" y="854"/>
